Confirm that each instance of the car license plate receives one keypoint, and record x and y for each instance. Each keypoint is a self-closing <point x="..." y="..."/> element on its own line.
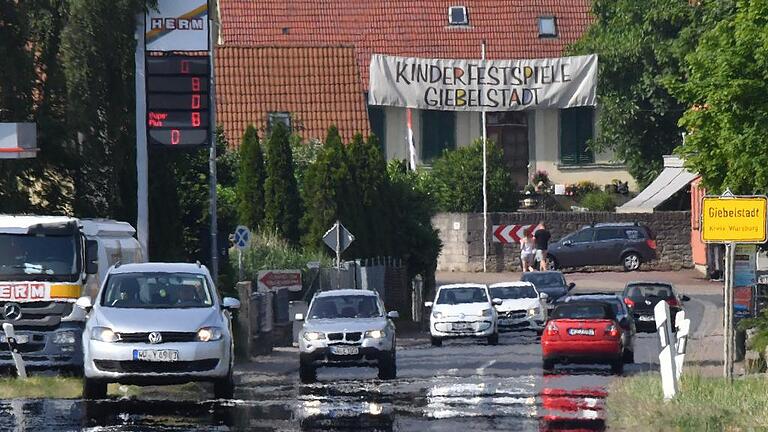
<point x="646" y="318"/>
<point x="344" y="350"/>
<point x="505" y="322"/>
<point x="461" y="326"/>
<point x="156" y="355"/>
<point x="581" y="332"/>
<point x="20" y="339"/>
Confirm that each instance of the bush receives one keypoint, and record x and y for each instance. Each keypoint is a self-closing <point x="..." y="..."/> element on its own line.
<point x="457" y="180"/>
<point x="269" y="250"/>
<point x="598" y="201"/>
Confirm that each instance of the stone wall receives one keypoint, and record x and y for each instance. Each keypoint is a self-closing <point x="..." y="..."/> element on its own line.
<point x="462" y="237"/>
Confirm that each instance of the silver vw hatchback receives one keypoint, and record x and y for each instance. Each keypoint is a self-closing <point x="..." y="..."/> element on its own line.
<point x="157" y="323"/>
<point x="347" y="328"/>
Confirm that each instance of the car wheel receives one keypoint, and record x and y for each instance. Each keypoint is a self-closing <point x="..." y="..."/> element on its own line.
<point x="437" y="342"/>
<point x="548" y="366"/>
<point x="629" y="356"/>
<point x="631" y="261"/>
<point x="388" y="367"/>
<point x="493" y="339"/>
<point x="94" y="389"/>
<point x="617" y="367"/>
<point x="307" y="373"/>
<point x="224" y="388"/>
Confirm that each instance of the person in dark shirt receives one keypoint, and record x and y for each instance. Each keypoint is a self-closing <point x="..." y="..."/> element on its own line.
<point x="541" y="237"/>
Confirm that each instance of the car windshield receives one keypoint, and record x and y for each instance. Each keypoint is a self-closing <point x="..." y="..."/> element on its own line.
<point x="544" y="280"/>
<point x="640" y="291"/>
<point x="582" y="311"/>
<point x="454" y="296"/>
<point x="513" y="292"/>
<point x="348" y="306"/>
<point x="46" y="255"/>
<point x="157" y="291"/>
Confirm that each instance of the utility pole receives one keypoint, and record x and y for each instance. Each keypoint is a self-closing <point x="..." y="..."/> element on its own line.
<point x="212" y="162"/>
<point x="142" y="170"/>
<point x="485" y="180"/>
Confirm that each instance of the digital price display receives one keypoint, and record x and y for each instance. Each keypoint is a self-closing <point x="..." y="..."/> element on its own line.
<point x="178" y="100"/>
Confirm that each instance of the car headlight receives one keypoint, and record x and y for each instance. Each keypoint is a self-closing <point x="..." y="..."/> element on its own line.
<point x="375" y="334"/>
<point x="437" y="315"/>
<point x="532" y="312"/>
<point x="207" y="334"/>
<point x="64" y="337"/>
<point x="485" y="313"/>
<point x="104" y="334"/>
<point x="313" y="336"/>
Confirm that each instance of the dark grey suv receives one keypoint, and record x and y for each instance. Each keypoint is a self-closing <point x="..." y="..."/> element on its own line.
<point x="625" y="244"/>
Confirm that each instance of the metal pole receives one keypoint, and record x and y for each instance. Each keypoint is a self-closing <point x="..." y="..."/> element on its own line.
<point x="338" y="254"/>
<point x="728" y="312"/>
<point x="142" y="171"/>
<point x="485" y="183"/>
<point x="212" y="162"/>
<point x="239" y="265"/>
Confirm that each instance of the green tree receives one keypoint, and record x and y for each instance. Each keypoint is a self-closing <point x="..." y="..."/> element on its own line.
<point x="250" y="182"/>
<point x="639" y="47"/>
<point x="323" y="187"/>
<point x="726" y="88"/>
<point x="281" y="194"/>
<point x="457" y="179"/>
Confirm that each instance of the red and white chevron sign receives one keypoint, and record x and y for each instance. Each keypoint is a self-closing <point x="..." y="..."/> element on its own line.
<point x="510" y="233"/>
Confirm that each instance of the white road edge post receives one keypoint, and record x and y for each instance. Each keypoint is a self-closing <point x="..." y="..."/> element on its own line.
<point x="10" y="335"/>
<point x="666" y="363"/>
<point x="683" y="328"/>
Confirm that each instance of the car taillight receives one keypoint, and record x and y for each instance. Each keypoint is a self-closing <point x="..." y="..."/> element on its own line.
<point x="552" y="329"/>
<point x="672" y="301"/>
<point x="628" y="301"/>
<point x="612" y="330"/>
<point x="651" y="243"/>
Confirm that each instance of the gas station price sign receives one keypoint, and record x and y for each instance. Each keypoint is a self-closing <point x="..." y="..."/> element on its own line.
<point x="178" y="100"/>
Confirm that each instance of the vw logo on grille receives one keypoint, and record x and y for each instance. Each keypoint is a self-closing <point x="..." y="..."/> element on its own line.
<point x="155" y="338"/>
<point x="12" y="312"/>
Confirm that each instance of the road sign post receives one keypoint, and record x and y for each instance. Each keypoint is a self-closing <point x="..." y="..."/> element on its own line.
<point x="732" y="219"/>
<point x="241" y="239"/>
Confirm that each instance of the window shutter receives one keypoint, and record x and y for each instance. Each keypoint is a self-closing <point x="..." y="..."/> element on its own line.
<point x="576" y="128"/>
<point x="438" y="133"/>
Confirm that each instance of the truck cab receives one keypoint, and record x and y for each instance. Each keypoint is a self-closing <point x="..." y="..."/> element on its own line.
<point x="46" y="264"/>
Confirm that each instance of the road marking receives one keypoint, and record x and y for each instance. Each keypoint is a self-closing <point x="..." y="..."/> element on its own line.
<point x="481" y="369"/>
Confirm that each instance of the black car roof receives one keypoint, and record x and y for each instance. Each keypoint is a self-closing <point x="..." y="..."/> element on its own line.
<point x="605" y="306"/>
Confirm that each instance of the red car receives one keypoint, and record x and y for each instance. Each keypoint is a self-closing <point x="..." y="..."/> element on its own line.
<point x="582" y="332"/>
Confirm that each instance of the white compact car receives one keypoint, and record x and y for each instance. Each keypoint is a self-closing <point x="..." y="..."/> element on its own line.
<point x="157" y="323"/>
<point x="522" y="306"/>
<point x="463" y="310"/>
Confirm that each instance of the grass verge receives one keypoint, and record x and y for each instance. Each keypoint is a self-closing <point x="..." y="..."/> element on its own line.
<point x="38" y="387"/>
<point x="702" y="404"/>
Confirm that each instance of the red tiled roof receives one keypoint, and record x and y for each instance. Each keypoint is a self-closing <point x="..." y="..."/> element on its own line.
<point x="416" y="28"/>
<point x="319" y="86"/>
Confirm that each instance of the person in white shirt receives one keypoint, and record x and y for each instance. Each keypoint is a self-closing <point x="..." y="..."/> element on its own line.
<point x="527" y="252"/>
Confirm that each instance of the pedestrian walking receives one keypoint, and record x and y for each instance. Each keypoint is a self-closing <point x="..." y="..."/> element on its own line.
<point x="542" y="236"/>
<point x="527" y="251"/>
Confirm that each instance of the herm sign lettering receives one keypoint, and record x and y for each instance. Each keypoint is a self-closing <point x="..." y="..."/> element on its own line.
<point x="734" y="219"/>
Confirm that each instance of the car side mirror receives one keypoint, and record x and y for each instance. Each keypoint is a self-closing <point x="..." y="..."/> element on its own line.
<point x="428" y="304"/>
<point x="685" y="298"/>
<point x="543" y="296"/>
<point x="230" y="303"/>
<point x="497" y="301"/>
<point x="393" y="315"/>
<point x="91" y="257"/>
<point x="298" y="317"/>
<point x="571" y="286"/>
<point x="84" y="303"/>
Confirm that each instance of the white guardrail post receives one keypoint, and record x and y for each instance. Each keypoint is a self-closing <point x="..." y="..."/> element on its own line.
<point x="666" y="362"/>
<point x="10" y="336"/>
<point x="683" y="325"/>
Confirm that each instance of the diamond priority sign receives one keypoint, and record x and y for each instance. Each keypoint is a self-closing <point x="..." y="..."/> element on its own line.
<point x="733" y="219"/>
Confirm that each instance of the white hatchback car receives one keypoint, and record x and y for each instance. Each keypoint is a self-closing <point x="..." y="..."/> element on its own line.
<point x="463" y="310"/>
<point x="522" y="306"/>
<point x="157" y="323"/>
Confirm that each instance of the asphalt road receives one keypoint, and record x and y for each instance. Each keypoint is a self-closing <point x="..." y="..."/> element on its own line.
<point x="464" y="385"/>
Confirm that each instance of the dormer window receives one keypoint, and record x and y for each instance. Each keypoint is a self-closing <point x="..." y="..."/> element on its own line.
<point x="457" y="16"/>
<point x="547" y="26"/>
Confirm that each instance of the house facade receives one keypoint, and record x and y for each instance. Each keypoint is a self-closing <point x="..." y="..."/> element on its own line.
<point x="554" y="140"/>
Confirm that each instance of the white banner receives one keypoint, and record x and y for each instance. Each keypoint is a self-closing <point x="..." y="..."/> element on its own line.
<point x="177" y="25"/>
<point x="477" y="85"/>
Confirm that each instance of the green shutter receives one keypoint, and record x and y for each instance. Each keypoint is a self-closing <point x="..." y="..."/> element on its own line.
<point x="576" y="128"/>
<point x="438" y="133"/>
<point x="377" y="118"/>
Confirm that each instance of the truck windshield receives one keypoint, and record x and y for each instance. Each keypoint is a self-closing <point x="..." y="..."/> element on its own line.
<point x="29" y="257"/>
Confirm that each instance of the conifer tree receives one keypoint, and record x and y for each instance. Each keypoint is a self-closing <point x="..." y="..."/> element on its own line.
<point x="250" y="182"/>
<point x="282" y="206"/>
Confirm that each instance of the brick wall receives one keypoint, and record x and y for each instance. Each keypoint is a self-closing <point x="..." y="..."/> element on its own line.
<point x="462" y="237"/>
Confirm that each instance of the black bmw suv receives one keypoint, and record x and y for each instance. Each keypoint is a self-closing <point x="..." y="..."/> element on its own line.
<point x="625" y="244"/>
